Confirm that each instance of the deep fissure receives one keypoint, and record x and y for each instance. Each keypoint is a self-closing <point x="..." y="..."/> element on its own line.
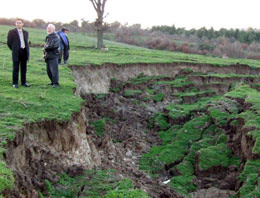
<point x="43" y="150"/>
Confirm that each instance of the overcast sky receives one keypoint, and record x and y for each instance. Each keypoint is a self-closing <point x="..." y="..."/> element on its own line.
<point x="181" y="13"/>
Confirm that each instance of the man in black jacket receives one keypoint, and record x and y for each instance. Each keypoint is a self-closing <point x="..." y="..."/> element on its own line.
<point x="51" y="53"/>
<point x="17" y="41"/>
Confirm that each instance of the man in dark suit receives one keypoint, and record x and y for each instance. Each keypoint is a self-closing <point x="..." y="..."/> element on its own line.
<point x="17" y="41"/>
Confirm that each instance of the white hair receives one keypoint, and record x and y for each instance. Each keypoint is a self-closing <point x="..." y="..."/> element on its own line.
<point x="51" y="26"/>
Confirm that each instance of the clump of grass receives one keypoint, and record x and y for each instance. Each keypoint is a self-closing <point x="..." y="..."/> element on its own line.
<point x="194" y="93"/>
<point x="126" y="194"/>
<point x="221" y="117"/>
<point x="99" y="126"/>
<point x="250" y="178"/>
<point x="158" y="97"/>
<point x="159" y="156"/>
<point x="168" y="136"/>
<point x="101" y="95"/>
<point x="6" y="178"/>
<point x="129" y="92"/>
<point x="183" y="184"/>
<point x="150" y="91"/>
<point x="143" y="79"/>
<point x="160" y="120"/>
<point x="218" y="155"/>
<point x="182" y="110"/>
<point x="177" y="82"/>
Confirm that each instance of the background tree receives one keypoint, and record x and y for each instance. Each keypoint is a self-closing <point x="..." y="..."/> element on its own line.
<point x="99" y="6"/>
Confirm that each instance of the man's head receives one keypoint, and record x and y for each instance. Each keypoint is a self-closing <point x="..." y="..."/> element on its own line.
<point x="50" y="28"/>
<point x="19" y="24"/>
<point x="65" y="30"/>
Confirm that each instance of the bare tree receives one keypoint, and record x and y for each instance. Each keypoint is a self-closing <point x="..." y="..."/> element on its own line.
<point x="99" y="6"/>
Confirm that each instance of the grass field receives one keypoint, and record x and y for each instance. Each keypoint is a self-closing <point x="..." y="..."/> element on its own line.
<point x="23" y="105"/>
<point x="42" y="102"/>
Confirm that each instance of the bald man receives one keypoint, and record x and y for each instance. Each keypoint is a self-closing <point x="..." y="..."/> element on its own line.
<point x="51" y="53"/>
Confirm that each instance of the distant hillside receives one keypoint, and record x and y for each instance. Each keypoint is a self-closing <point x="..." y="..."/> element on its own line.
<point x="234" y="43"/>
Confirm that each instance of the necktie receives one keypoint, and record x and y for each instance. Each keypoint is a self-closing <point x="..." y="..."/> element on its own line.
<point x="21" y="39"/>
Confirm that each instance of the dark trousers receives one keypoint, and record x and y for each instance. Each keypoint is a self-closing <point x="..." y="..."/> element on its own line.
<point x="65" y="54"/>
<point x="23" y="62"/>
<point x="52" y="70"/>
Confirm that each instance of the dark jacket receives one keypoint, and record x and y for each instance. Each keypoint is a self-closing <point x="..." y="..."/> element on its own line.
<point x="14" y="43"/>
<point x="51" y="47"/>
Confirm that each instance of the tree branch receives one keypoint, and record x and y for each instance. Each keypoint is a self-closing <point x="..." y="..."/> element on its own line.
<point x="94" y="3"/>
<point x="103" y="6"/>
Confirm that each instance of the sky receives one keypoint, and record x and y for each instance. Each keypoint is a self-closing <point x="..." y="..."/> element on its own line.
<point x="182" y="13"/>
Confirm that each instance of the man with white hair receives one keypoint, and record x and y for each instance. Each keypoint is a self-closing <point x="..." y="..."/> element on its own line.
<point x="51" y="53"/>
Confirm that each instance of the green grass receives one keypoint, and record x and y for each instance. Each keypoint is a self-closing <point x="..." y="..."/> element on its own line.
<point x="99" y="126"/>
<point x="130" y="92"/>
<point x="150" y="91"/>
<point x="194" y="93"/>
<point x="96" y="184"/>
<point x="159" y="156"/>
<point x="82" y="52"/>
<point x="160" y="120"/>
<point x="143" y="79"/>
<point x="250" y="178"/>
<point x="182" y="110"/>
<point x="250" y="174"/>
<point x="212" y="136"/>
<point x="158" y="97"/>
<point x="183" y="184"/>
<point x="178" y="82"/>
<point x="223" y="110"/>
<point x="6" y="178"/>
<point x="200" y="136"/>
<point x="218" y="155"/>
<point x="228" y="75"/>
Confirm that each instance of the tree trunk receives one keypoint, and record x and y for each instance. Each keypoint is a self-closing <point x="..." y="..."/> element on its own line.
<point x="100" y="43"/>
<point x="99" y="6"/>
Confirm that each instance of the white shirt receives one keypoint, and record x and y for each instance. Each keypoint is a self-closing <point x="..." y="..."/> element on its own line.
<point x="21" y="38"/>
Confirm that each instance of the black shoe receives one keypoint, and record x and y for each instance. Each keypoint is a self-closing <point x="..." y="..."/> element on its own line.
<point x="50" y="84"/>
<point x="15" y="86"/>
<point x="26" y="85"/>
<point x="55" y="86"/>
